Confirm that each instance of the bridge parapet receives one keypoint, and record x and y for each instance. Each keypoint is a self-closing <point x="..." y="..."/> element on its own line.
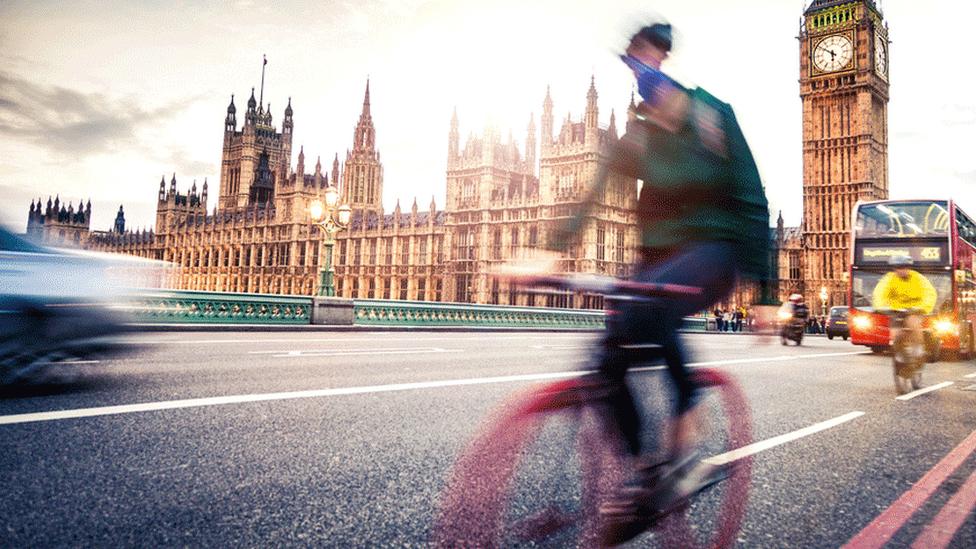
<point x="197" y="307"/>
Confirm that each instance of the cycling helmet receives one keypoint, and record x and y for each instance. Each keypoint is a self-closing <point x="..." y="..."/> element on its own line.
<point x="897" y="261"/>
<point x="796" y="298"/>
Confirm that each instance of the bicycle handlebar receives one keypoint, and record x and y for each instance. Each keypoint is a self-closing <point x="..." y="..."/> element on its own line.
<point x="605" y="285"/>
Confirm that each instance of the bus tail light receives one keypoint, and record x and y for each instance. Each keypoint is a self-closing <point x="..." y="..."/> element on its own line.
<point x="861" y="322"/>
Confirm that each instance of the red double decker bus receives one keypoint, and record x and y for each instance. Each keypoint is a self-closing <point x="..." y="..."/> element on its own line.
<point x="941" y="240"/>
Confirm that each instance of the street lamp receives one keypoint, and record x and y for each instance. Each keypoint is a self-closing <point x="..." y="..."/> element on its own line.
<point x="823" y="301"/>
<point x="332" y="220"/>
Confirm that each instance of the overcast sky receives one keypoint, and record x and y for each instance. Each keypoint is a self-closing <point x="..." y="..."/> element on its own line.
<point x="99" y="99"/>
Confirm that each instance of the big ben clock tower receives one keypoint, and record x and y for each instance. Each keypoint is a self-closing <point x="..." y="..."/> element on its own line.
<point x="844" y="89"/>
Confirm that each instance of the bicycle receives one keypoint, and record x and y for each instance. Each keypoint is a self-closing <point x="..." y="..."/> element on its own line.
<point x="907" y="360"/>
<point x="510" y="487"/>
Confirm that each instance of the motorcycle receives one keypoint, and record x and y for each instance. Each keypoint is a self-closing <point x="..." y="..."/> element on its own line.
<point x="791" y="328"/>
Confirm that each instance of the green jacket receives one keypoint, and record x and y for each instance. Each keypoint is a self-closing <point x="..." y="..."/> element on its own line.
<point x="696" y="186"/>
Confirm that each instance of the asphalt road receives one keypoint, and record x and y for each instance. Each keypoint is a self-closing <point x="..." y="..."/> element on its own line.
<point x="345" y="439"/>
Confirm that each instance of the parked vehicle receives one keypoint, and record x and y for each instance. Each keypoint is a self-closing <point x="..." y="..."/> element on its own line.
<point x="837" y="323"/>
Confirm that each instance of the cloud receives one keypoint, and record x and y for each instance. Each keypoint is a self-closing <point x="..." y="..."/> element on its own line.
<point x="181" y="162"/>
<point x="73" y="123"/>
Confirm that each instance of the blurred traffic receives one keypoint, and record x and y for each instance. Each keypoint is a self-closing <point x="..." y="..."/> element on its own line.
<point x="59" y="307"/>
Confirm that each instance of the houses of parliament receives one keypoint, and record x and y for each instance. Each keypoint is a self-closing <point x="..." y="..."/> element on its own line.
<point x="501" y="199"/>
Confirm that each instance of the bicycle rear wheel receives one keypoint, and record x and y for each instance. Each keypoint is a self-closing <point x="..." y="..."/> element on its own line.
<point x="536" y="476"/>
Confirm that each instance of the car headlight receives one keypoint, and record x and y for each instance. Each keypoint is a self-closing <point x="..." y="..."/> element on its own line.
<point x="785" y="315"/>
<point x="944" y="326"/>
<point x="861" y="322"/>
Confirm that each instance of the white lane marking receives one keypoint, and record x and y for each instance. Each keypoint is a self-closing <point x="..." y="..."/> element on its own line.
<point x="914" y="394"/>
<point x="775" y="358"/>
<point x="970" y="375"/>
<point x="762" y="445"/>
<point x="356" y="352"/>
<point x="235" y="399"/>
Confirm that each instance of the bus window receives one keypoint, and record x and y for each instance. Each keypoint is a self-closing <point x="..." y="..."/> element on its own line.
<point x="903" y="220"/>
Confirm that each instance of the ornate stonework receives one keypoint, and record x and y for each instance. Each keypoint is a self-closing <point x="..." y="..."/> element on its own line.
<point x="501" y="199"/>
<point x="844" y="90"/>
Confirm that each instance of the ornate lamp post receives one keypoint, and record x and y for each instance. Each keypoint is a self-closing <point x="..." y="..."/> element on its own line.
<point x="823" y="301"/>
<point x="332" y="219"/>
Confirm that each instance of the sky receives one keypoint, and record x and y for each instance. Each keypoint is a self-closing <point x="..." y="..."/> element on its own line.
<point x="98" y="99"/>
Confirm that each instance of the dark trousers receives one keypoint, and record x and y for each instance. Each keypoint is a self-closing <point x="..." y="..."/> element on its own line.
<point x="640" y="330"/>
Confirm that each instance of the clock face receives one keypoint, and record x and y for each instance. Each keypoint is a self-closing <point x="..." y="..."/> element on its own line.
<point x="833" y="53"/>
<point x="881" y="55"/>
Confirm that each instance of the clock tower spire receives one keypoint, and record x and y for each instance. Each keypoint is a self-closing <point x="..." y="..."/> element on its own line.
<point x="844" y="92"/>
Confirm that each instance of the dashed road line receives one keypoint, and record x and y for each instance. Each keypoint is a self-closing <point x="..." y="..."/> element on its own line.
<point x="763" y="445"/>
<point x="970" y="375"/>
<point x="922" y="391"/>
<point x="356" y="352"/>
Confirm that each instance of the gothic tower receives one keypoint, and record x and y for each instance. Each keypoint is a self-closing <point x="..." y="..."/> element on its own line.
<point x="362" y="183"/>
<point x="844" y="91"/>
<point x="256" y="159"/>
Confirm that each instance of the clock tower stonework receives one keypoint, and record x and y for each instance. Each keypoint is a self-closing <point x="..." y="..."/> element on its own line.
<point x="844" y="90"/>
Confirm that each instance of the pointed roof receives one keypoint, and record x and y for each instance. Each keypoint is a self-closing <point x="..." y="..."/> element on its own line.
<point x="252" y="103"/>
<point x="231" y="109"/>
<point x="288" y="111"/>
<point x="366" y="101"/>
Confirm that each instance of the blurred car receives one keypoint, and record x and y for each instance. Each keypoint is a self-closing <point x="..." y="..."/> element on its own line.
<point x="837" y="323"/>
<point x="61" y="305"/>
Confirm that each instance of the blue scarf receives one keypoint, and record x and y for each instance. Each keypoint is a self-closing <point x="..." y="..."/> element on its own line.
<point x="651" y="82"/>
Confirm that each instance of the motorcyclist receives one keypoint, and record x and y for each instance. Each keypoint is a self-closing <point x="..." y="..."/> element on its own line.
<point x="906" y="289"/>
<point x="795" y="309"/>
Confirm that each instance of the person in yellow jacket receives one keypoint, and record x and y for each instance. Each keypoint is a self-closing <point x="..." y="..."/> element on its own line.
<point x="905" y="288"/>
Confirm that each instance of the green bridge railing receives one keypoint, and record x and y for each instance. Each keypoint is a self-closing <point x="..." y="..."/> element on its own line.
<point x="197" y="307"/>
<point x="188" y="306"/>
<point x="373" y="312"/>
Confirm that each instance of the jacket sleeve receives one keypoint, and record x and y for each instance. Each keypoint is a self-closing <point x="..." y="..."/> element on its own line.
<point x="929" y="295"/>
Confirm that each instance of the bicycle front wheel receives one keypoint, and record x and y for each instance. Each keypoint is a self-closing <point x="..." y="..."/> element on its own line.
<point x="536" y="476"/>
<point x="712" y="516"/>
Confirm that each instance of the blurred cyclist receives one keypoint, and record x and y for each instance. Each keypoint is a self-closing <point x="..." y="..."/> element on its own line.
<point x="906" y="289"/>
<point x="703" y="217"/>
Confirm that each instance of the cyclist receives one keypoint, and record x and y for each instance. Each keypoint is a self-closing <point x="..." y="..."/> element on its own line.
<point x="703" y="218"/>
<point x="906" y="289"/>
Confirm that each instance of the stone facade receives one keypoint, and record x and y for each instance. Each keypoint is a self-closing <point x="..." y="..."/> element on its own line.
<point x="844" y="91"/>
<point x="59" y="225"/>
<point x="501" y="200"/>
